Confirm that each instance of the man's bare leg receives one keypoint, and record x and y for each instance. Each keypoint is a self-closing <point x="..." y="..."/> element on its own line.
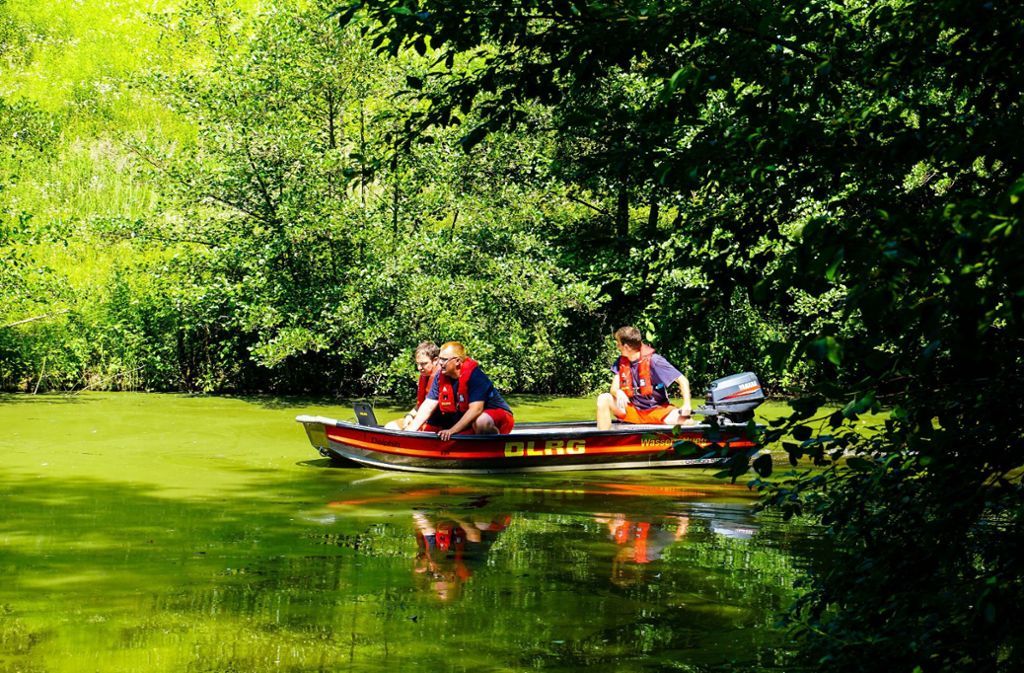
<point x="675" y="418"/>
<point x="484" y="425"/>
<point x="605" y="407"/>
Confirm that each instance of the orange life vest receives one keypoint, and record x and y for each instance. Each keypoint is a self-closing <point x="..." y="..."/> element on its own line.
<point x="637" y="533"/>
<point x="425" y="383"/>
<point x="446" y="393"/>
<point x="643" y="373"/>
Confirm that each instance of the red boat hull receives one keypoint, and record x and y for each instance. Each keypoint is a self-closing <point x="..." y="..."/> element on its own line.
<point x="538" y="447"/>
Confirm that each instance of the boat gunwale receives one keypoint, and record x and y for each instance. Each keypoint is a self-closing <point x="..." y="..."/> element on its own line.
<point x="569" y="429"/>
<point x="642" y="464"/>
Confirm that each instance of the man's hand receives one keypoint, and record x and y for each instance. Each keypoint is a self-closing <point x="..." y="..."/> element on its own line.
<point x="621" y="400"/>
<point x="445" y="435"/>
<point x="686" y="410"/>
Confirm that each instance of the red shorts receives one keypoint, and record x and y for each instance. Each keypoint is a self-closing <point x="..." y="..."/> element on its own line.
<point x="503" y="420"/>
<point x="655" y="415"/>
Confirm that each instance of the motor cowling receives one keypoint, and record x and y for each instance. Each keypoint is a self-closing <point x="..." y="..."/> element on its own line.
<point x="733" y="398"/>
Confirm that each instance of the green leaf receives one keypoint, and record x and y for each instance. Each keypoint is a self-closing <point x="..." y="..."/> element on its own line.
<point x="345" y="14"/>
<point x="1016" y="191"/>
<point x="860" y="464"/>
<point x="681" y="77"/>
<point x="763" y="465"/>
<point x="686" y="448"/>
<point x="865" y="403"/>
<point x="802" y="433"/>
<point x="826" y="348"/>
<point x="473" y="138"/>
<point x="833" y="268"/>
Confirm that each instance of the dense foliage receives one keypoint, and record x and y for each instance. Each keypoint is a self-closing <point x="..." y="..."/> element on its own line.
<point x="853" y="168"/>
<point x="829" y="193"/>
<point x="280" y="232"/>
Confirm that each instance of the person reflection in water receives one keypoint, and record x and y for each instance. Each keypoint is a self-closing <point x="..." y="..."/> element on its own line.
<point x="448" y="545"/>
<point x="640" y="543"/>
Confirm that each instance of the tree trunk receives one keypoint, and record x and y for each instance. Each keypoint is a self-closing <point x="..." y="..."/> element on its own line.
<point x="332" y="141"/>
<point x="651" y="232"/>
<point x="362" y="154"/>
<point x="622" y="214"/>
<point x="394" y="201"/>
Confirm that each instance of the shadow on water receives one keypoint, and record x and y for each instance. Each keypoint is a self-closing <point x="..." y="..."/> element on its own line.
<point x="378" y="569"/>
<point x="276" y="402"/>
<point x="325" y="463"/>
<point x="43" y="398"/>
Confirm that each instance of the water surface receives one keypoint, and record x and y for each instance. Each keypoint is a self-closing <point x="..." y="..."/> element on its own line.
<point x="174" y="533"/>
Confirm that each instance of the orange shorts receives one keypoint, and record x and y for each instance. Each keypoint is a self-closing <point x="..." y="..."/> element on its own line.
<point x="655" y="415"/>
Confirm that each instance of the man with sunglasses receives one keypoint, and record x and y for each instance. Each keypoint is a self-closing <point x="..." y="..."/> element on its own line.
<point x="467" y="400"/>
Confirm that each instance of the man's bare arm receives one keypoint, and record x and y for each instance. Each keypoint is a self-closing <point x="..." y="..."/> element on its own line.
<point x="684" y="390"/>
<point x="467" y="420"/>
<point x="422" y="415"/>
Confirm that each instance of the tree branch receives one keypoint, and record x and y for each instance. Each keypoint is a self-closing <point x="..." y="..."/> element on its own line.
<point x="580" y="201"/>
<point x="35" y="318"/>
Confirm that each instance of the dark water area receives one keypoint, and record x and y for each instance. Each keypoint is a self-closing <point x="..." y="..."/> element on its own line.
<point x="170" y="533"/>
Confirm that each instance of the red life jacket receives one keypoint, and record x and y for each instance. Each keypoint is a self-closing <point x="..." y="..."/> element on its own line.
<point x="637" y="532"/>
<point x="426" y="381"/>
<point x="643" y="373"/>
<point x="446" y="393"/>
<point x="450" y="536"/>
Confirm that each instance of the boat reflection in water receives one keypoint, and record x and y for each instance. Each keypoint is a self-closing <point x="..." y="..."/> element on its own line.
<point x="621" y="531"/>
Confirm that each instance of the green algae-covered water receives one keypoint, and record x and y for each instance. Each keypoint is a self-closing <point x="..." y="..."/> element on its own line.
<point x="144" y="532"/>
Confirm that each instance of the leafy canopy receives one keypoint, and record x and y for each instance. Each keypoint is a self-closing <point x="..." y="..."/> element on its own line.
<point x="854" y="168"/>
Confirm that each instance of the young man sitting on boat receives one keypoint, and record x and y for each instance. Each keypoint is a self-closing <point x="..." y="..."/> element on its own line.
<point x="426" y="363"/>
<point x="466" y="398"/>
<point x="639" y="389"/>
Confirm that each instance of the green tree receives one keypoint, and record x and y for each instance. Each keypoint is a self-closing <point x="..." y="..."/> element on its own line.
<point x="859" y="160"/>
<point x="25" y="286"/>
<point x="323" y="249"/>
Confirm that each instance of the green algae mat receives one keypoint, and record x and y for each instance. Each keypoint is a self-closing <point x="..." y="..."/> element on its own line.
<point x="143" y="532"/>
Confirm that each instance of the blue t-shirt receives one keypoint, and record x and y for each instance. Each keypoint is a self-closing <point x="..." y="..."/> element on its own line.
<point x="662" y="375"/>
<point x="480" y="390"/>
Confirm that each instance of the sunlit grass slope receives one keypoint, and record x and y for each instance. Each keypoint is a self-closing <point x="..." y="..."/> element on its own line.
<point x="80" y="64"/>
<point x="77" y="62"/>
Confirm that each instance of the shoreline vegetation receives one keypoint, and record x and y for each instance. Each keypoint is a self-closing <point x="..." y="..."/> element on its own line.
<point x="182" y="213"/>
<point x="223" y="196"/>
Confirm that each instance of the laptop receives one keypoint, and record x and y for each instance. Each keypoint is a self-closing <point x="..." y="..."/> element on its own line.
<point x="365" y="415"/>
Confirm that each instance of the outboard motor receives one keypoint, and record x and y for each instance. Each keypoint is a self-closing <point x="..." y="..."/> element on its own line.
<point x="733" y="398"/>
